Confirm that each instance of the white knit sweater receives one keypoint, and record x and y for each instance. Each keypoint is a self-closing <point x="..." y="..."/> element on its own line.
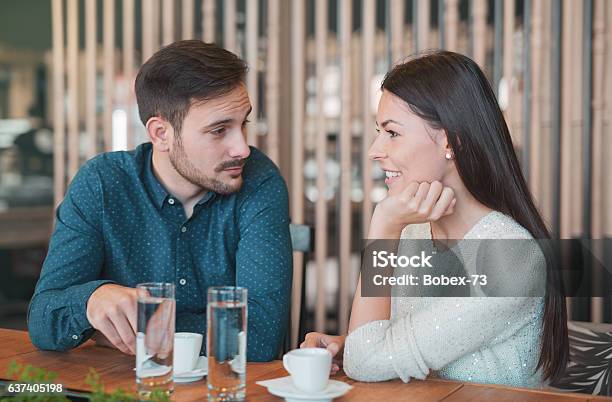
<point x="493" y="340"/>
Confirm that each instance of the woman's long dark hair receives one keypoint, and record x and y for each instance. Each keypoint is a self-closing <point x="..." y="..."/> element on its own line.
<point x="450" y="92"/>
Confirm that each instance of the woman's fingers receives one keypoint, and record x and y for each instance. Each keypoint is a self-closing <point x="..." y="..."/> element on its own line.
<point x="429" y="202"/>
<point x="419" y="197"/>
<point x="427" y="206"/>
<point x="313" y="340"/>
<point x="451" y="207"/>
<point x="334" y="369"/>
<point x="409" y="192"/>
<point x="443" y="205"/>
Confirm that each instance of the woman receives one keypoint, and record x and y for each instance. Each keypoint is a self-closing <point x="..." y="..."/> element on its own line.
<point x="452" y="174"/>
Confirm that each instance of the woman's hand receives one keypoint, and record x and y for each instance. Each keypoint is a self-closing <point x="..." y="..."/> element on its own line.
<point x="418" y="203"/>
<point x="333" y="343"/>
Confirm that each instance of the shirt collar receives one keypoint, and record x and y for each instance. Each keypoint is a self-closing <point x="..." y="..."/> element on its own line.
<point x="158" y="192"/>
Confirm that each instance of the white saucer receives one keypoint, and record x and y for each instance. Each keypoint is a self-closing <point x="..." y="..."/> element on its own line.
<point x="196" y="374"/>
<point x="284" y="388"/>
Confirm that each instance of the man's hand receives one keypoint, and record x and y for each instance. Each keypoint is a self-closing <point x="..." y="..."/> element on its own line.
<point x="333" y="343"/>
<point x="159" y="339"/>
<point x="111" y="310"/>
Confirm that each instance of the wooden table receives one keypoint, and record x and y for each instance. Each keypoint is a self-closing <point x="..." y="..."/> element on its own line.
<point x="115" y="370"/>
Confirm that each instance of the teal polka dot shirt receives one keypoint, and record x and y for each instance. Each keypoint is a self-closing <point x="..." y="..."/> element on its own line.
<point x="117" y="224"/>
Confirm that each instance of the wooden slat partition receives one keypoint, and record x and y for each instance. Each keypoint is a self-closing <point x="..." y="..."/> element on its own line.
<point x="452" y="24"/>
<point x="498" y="28"/>
<point x="599" y="54"/>
<point x="109" y="71"/>
<point x="91" y="45"/>
<point x="148" y="14"/>
<point x="356" y="96"/>
<point x="229" y="25"/>
<point x="566" y="118"/>
<point x="537" y="98"/>
<point x="128" y="66"/>
<point x="423" y="26"/>
<point x="298" y="12"/>
<point x="321" y="158"/>
<point x="568" y="72"/>
<point x="252" y="54"/>
<point x="479" y="17"/>
<point x="575" y="47"/>
<point x="72" y="20"/>
<point x="273" y="80"/>
<point x="155" y="24"/>
<point x="187" y="15"/>
<point x="527" y="90"/>
<point x="208" y="20"/>
<point x="367" y="62"/>
<point x="397" y="30"/>
<point x="606" y="185"/>
<point x="168" y="7"/>
<point x="508" y="56"/>
<point x="345" y="163"/>
<point x="441" y="24"/>
<point x="59" y="121"/>
<point x="597" y="205"/>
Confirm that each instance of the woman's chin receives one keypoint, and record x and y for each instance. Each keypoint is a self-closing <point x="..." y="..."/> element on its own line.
<point x="395" y="188"/>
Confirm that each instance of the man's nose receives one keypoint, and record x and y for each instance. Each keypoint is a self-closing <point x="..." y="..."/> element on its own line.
<point x="239" y="149"/>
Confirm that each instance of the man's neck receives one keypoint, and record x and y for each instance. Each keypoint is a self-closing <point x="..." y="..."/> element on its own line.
<point x="183" y="190"/>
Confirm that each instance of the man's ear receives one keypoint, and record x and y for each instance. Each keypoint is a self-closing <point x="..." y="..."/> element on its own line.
<point x="160" y="133"/>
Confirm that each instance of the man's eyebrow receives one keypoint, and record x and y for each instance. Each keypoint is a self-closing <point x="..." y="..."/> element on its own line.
<point x="224" y="121"/>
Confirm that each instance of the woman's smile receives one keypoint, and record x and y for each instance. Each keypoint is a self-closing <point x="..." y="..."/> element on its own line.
<point x="392" y="176"/>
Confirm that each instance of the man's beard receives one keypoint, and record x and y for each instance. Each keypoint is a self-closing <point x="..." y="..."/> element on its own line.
<point x="180" y="163"/>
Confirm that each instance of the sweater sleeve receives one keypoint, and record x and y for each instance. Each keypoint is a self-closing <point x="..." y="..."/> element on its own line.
<point x="433" y="337"/>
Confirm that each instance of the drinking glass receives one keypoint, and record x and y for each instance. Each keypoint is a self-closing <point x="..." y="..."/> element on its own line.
<point x="155" y="339"/>
<point x="226" y="343"/>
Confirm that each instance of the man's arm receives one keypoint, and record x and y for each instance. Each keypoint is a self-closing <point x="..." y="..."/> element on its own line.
<point x="264" y="266"/>
<point x="57" y="318"/>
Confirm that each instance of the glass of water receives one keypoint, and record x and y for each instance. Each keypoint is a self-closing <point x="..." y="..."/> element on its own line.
<point x="226" y="343"/>
<point x="155" y="339"/>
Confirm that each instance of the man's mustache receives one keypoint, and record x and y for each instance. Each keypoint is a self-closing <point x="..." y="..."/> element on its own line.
<point x="230" y="164"/>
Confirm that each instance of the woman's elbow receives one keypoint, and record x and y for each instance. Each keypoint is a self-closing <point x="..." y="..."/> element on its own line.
<point x="357" y="369"/>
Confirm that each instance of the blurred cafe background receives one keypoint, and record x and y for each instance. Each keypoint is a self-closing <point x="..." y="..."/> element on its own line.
<point x="67" y="69"/>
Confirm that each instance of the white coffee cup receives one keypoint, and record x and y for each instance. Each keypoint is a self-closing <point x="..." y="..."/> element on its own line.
<point x="187" y="347"/>
<point x="309" y="368"/>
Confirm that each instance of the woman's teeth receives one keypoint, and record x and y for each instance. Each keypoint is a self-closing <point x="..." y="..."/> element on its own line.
<point x="392" y="174"/>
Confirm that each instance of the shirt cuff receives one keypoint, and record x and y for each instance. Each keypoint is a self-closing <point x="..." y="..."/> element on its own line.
<point x="78" y="304"/>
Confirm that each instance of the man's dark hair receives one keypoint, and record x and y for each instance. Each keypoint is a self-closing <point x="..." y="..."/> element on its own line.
<point x="182" y="73"/>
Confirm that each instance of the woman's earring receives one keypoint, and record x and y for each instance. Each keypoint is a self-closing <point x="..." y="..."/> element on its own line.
<point x="448" y="155"/>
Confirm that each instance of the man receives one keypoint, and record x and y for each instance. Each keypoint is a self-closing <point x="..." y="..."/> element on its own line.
<point x="195" y="206"/>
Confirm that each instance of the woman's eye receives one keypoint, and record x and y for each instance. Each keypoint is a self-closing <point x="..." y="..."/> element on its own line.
<point x="393" y="134"/>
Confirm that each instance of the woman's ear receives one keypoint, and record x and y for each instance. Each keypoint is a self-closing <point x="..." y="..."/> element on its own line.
<point x="159" y="133"/>
<point x="449" y="152"/>
<point x="445" y="145"/>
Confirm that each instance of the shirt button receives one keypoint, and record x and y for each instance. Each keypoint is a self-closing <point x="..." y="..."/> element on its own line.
<point x="184" y="229"/>
<point x="75" y="337"/>
<point x="171" y="201"/>
<point x="182" y="281"/>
